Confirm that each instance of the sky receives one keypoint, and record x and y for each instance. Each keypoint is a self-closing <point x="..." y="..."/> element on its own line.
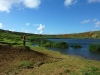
<point x="50" y="16"/>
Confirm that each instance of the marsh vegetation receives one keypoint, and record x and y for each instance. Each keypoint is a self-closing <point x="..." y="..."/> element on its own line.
<point x="95" y="47"/>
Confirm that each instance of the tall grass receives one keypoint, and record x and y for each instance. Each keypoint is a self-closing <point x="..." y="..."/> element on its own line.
<point x="95" y="47"/>
<point x="61" y="45"/>
<point x="76" y="46"/>
<point x="48" y="43"/>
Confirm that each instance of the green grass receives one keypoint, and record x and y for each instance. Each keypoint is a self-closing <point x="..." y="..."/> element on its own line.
<point x="25" y="64"/>
<point x="60" y="65"/>
<point x="91" y="71"/>
<point x="76" y="46"/>
<point x="48" y="43"/>
<point x="95" y="47"/>
<point x="68" y="65"/>
<point x="57" y="64"/>
<point x="61" y="45"/>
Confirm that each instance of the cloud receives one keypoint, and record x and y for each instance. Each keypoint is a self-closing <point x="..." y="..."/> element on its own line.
<point x="85" y="21"/>
<point x="6" y="5"/>
<point x="27" y="24"/>
<point x="52" y="32"/>
<point x="32" y="3"/>
<point x="1" y="26"/>
<point x="94" y="20"/>
<point x="70" y="2"/>
<point x="41" y="28"/>
<point x="92" y="1"/>
<point x="97" y="24"/>
<point x="26" y="31"/>
<point x="12" y="30"/>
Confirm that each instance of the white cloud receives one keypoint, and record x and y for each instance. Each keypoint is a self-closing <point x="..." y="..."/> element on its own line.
<point x="27" y="24"/>
<point x="85" y="21"/>
<point x="97" y="24"/>
<point x="52" y="32"/>
<point x="12" y="30"/>
<point x="70" y="2"/>
<point x="1" y="25"/>
<point x="6" y="5"/>
<point x="25" y="30"/>
<point x="41" y="28"/>
<point x="91" y="1"/>
<point x="94" y="20"/>
<point x="32" y="3"/>
<point x="41" y="31"/>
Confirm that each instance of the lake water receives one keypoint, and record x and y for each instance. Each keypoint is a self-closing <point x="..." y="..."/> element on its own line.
<point x="84" y="52"/>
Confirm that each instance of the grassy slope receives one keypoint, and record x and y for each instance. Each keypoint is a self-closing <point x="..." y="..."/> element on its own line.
<point x="68" y="65"/>
<point x="18" y="36"/>
<point x="15" y="59"/>
<point x="40" y="61"/>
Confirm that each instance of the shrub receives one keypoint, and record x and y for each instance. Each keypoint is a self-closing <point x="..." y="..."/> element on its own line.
<point x="14" y="43"/>
<point x="61" y="45"/>
<point x="1" y="39"/>
<point x="94" y="47"/>
<point x="48" y="44"/>
<point x="45" y="43"/>
<point x="76" y="46"/>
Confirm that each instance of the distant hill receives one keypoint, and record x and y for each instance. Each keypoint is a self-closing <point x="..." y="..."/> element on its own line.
<point x="84" y="35"/>
<point x="12" y="35"/>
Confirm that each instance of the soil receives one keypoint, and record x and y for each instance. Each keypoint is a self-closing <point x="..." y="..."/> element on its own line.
<point x="9" y="56"/>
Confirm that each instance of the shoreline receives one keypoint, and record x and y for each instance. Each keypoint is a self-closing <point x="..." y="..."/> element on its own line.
<point x="31" y="60"/>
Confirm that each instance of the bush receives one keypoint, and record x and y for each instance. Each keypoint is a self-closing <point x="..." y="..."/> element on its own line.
<point x="1" y="39"/>
<point x="48" y="44"/>
<point x="94" y="47"/>
<point x="76" y="46"/>
<point x="42" y="42"/>
<point x="45" y="43"/>
<point x="61" y="45"/>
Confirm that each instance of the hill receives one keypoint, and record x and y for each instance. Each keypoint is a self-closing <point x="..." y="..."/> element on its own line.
<point x="21" y="60"/>
<point x="16" y="59"/>
<point x="13" y="59"/>
<point x="84" y="35"/>
<point x="18" y="35"/>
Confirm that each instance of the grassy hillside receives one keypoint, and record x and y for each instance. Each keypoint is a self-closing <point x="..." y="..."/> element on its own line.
<point x="29" y="60"/>
<point x="85" y="35"/>
<point x="18" y="35"/>
<point x="19" y="60"/>
<point x="14" y="59"/>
